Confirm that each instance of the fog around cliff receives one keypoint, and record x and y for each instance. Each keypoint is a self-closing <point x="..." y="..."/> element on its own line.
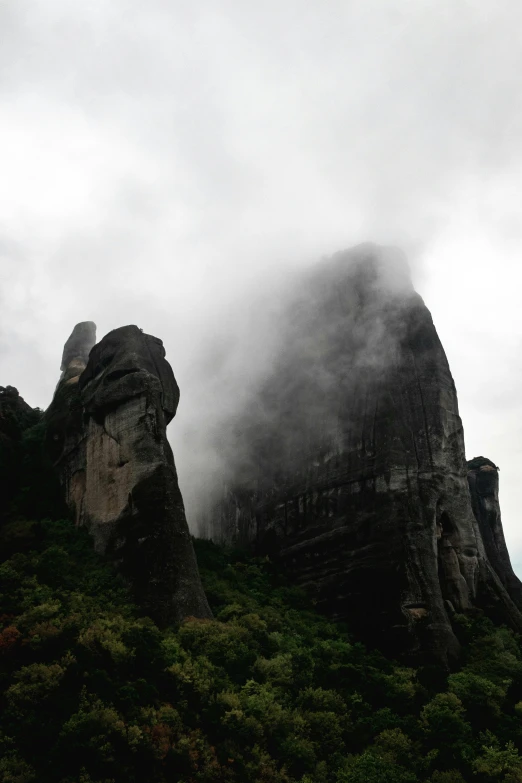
<point x="308" y="352"/>
<point x="177" y="166"/>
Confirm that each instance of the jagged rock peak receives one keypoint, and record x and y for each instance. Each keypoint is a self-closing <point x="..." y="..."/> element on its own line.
<point x="483" y="480"/>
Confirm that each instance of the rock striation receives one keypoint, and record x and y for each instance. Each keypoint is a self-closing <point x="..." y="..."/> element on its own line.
<point x="348" y="465"/>
<point x="106" y="431"/>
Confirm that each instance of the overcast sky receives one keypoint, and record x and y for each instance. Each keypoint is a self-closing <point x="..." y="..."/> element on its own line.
<point x="163" y="163"/>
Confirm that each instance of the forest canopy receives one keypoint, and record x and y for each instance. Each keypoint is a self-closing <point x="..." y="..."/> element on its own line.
<point x="269" y="690"/>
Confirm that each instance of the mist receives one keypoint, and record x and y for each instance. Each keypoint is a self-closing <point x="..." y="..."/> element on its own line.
<point x="181" y="167"/>
<point x="288" y="394"/>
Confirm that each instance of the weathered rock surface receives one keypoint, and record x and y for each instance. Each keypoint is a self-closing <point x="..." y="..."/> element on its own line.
<point x="78" y="347"/>
<point x="349" y="464"/>
<point x="483" y="485"/>
<point x="107" y="432"/>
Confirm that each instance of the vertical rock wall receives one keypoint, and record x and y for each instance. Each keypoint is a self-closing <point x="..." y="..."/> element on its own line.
<point x="483" y="485"/>
<point x="348" y="464"/>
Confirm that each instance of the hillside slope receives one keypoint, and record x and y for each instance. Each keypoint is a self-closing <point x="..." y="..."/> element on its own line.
<point x="92" y="691"/>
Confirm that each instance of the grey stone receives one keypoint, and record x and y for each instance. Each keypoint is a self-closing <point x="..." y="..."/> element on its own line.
<point x="79" y="344"/>
<point x="483" y="482"/>
<point x="107" y="433"/>
<point x="348" y="464"/>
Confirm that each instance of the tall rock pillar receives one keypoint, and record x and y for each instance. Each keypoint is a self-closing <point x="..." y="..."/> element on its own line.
<point x="118" y="470"/>
<point x="483" y="486"/>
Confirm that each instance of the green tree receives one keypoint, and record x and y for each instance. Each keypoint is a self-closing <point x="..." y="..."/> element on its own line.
<point x="497" y="762"/>
<point x="446" y="729"/>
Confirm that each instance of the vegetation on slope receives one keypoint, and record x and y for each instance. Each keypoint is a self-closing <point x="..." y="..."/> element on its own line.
<point x="267" y="692"/>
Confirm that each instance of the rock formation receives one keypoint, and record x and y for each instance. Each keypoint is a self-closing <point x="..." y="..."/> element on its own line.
<point x="483" y="486"/>
<point x="349" y="466"/>
<point x="64" y="417"/>
<point x="106" y="430"/>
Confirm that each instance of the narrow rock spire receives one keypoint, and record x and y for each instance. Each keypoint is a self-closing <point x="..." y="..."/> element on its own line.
<point x="79" y="345"/>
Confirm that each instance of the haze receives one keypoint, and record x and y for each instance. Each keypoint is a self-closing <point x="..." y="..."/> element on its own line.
<point x="173" y="165"/>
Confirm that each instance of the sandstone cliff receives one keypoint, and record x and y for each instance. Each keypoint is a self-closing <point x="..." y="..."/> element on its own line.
<point x="349" y="466"/>
<point x="106" y="430"/>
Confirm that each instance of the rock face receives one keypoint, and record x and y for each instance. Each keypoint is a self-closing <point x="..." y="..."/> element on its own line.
<point x="349" y="466"/>
<point x="107" y="432"/>
<point x="78" y="347"/>
<point x="483" y="486"/>
<point x="64" y="417"/>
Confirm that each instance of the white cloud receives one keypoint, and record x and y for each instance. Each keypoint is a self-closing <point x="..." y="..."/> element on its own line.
<point x="162" y="163"/>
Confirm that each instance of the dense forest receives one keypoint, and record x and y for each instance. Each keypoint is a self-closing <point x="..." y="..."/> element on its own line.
<point x="91" y="691"/>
